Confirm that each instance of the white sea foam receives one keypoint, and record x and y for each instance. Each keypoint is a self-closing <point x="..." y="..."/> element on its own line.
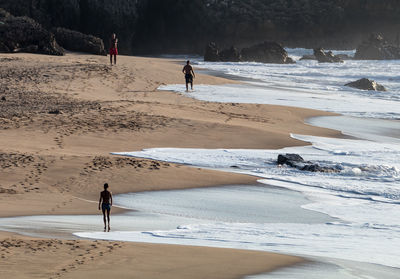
<point x="307" y="84"/>
<point x="351" y="242"/>
<point x="346" y="101"/>
<point x="297" y="53"/>
<point x="364" y="195"/>
<point x="364" y="165"/>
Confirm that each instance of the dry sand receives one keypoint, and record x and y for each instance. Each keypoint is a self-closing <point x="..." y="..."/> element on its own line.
<point x="25" y="257"/>
<point x="60" y="117"/>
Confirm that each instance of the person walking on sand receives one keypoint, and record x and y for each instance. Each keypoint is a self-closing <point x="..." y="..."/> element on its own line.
<point x="189" y="75"/>
<point x="106" y="202"/>
<point x="113" y="49"/>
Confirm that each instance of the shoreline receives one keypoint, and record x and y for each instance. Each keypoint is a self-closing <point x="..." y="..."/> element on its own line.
<point x="65" y="155"/>
<point x="138" y="218"/>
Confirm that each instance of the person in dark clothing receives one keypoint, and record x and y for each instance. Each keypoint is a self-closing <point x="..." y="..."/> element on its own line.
<point x="189" y="75"/>
<point x="105" y="204"/>
<point x="113" y="49"/>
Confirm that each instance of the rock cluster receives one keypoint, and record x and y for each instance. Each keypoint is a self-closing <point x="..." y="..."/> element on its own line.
<point x="377" y="48"/>
<point x="22" y="34"/>
<point x="296" y="161"/>
<point x="308" y="57"/>
<point x="337" y="57"/>
<point x="212" y="53"/>
<point x="77" y="41"/>
<point x="326" y="57"/>
<point x="266" y="52"/>
<point x="98" y="17"/>
<point x="366" y="84"/>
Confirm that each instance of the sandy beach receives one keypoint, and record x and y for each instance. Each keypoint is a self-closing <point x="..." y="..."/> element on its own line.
<point x="60" y="119"/>
<point x="25" y="257"/>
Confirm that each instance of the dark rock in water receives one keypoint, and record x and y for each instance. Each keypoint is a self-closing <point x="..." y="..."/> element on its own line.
<point x="337" y="57"/>
<point x="76" y="41"/>
<point x="22" y="34"/>
<point x="212" y="53"/>
<point x="308" y="57"/>
<point x="287" y="158"/>
<point x="344" y="56"/>
<point x="326" y="57"/>
<point x="366" y="84"/>
<point x="3" y="98"/>
<point x="55" y="111"/>
<point x="296" y="161"/>
<point x="315" y="168"/>
<point x="230" y="55"/>
<point x="267" y="52"/>
<point x="376" y="48"/>
<point x="290" y="60"/>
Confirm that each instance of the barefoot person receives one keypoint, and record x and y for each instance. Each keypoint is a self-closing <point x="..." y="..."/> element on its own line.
<point x="106" y="202"/>
<point x="113" y="49"/>
<point x="189" y="75"/>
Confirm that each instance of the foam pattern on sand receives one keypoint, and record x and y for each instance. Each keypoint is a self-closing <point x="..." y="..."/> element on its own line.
<point x="379" y="165"/>
<point x="307" y="84"/>
<point x="364" y="197"/>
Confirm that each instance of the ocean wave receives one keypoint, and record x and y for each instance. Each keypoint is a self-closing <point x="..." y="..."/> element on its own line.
<point x="363" y="167"/>
<point x="320" y="80"/>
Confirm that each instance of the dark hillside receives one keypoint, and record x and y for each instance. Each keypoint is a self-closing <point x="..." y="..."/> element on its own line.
<point x="176" y="26"/>
<point x="96" y="17"/>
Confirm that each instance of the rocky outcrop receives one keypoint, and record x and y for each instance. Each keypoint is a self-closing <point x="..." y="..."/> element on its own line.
<point x="266" y="52"/>
<point x="308" y="57"/>
<point x="212" y="53"/>
<point x="337" y="57"/>
<point x="76" y="41"/>
<point x="345" y="56"/>
<point x="289" y="159"/>
<point x="377" y="48"/>
<point x="296" y="161"/>
<point x="326" y="57"/>
<point x="366" y="84"/>
<point x="22" y="34"/>
<point x="97" y="17"/>
<point x="231" y="54"/>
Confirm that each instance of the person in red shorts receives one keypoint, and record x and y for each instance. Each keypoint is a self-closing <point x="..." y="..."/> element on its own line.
<point x="113" y="48"/>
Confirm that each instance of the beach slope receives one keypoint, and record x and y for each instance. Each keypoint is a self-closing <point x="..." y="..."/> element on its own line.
<point x="60" y="119"/>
